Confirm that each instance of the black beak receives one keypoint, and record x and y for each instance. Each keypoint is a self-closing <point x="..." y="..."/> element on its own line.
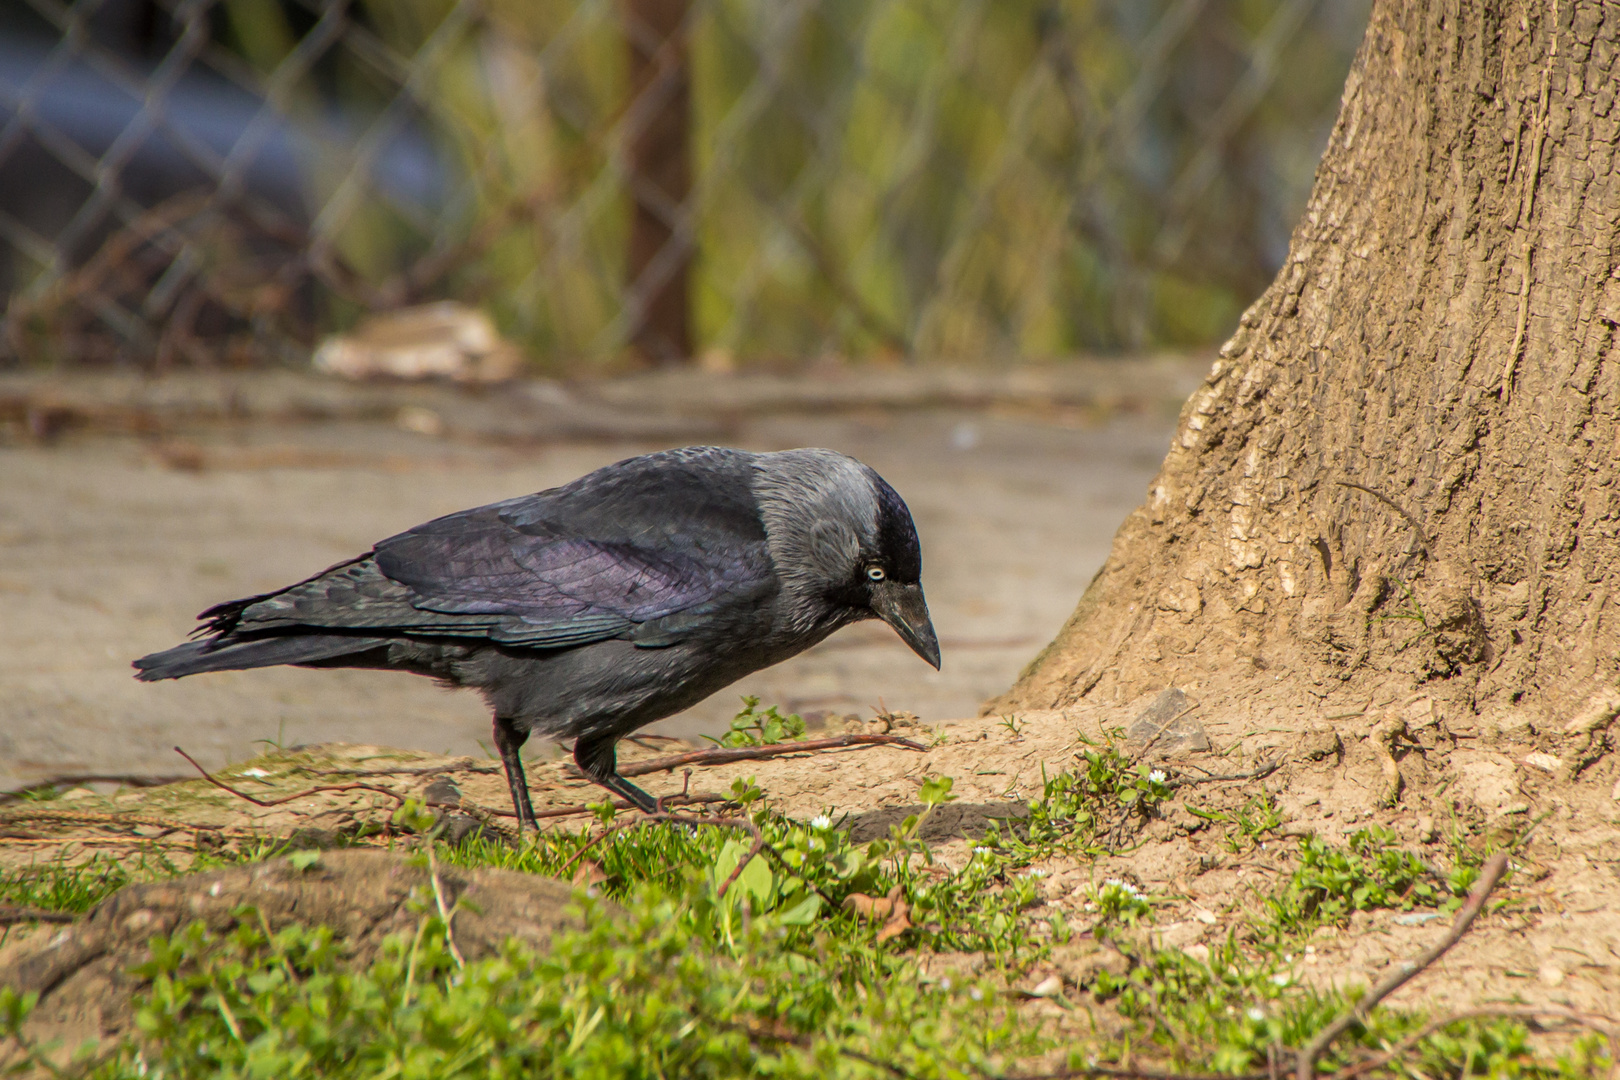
<point x="903" y="607"/>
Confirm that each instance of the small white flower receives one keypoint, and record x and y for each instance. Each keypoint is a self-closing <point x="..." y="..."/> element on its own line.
<point x="1035" y="873"/>
<point x="821" y="821"/>
<point x="1157" y="776"/>
<point x="1281" y="979"/>
<point x="976" y="994"/>
<point x="1255" y="1014"/>
<point x="945" y="983"/>
<point x="254" y="772"/>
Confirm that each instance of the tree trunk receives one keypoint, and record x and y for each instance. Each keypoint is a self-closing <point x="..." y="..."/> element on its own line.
<point x="658" y="153"/>
<point x="1400" y="474"/>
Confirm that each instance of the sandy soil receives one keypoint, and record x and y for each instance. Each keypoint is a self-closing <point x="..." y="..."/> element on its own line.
<point x="122" y="524"/>
<point x="1552" y="943"/>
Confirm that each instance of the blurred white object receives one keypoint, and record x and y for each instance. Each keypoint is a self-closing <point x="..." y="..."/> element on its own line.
<point x="446" y="340"/>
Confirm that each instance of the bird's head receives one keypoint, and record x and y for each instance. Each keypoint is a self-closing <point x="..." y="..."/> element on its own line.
<point x="844" y="544"/>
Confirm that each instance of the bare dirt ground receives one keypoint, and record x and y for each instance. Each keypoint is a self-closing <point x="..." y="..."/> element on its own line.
<point x="126" y="507"/>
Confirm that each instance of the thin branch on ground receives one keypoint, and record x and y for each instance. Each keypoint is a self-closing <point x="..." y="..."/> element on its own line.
<point x="1159" y="731"/>
<point x="1258" y="774"/>
<point x="431" y="770"/>
<point x="805" y="1042"/>
<point x="1608" y="1026"/>
<point x="10" y="916"/>
<point x="736" y="871"/>
<point x="590" y="808"/>
<point x="742" y="823"/>
<point x="1305" y="1066"/>
<point x="724" y="755"/>
<point x="567" y="811"/>
<point x="1124" y="1072"/>
<point x="256" y="801"/>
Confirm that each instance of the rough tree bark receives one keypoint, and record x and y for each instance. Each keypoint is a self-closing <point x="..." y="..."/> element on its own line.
<point x="1401" y="471"/>
<point x="658" y="164"/>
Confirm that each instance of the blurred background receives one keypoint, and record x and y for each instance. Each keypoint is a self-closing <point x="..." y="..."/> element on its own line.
<point x="987" y="247"/>
<point x="631" y="182"/>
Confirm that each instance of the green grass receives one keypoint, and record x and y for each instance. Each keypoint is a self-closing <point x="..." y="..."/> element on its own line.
<point x="779" y="976"/>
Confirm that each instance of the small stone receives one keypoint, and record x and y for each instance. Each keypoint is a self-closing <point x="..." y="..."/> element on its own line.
<point x="1547" y="763"/>
<point x="442" y="790"/>
<point x="311" y="839"/>
<point x="459" y="827"/>
<point x="1425" y="829"/>
<point x="1550" y="974"/>
<point x="1165" y="727"/>
<point x="1051" y="986"/>
<point x="1318" y="743"/>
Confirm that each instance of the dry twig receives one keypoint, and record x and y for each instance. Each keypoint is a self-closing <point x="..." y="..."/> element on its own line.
<point x="10" y="916"/>
<point x="1305" y="1064"/>
<point x="256" y="801"/>
<point x="431" y="770"/>
<point x="725" y="755"/>
<point x="1257" y="774"/>
<point x="759" y="844"/>
<point x="1126" y="1072"/>
<point x="618" y="804"/>
<point x="1608" y="1026"/>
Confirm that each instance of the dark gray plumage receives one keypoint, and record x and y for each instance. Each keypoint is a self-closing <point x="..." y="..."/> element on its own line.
<point x="592" y="609"/>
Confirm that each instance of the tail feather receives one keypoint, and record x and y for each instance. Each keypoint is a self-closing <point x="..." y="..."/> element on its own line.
<point x="227" y="654"/>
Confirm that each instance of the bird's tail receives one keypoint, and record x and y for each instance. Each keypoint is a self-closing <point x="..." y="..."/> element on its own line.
<point x="231" y="654"/>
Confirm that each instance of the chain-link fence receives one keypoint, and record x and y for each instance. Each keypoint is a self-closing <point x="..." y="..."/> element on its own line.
<point x="222" y="181"/>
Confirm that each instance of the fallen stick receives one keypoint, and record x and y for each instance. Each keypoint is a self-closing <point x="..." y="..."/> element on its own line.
<point x="1305" y="1067"/>
<point x="724" y="755"/>
<point x="256" y="801"/>
<point x="573" y="811"/>
<point x="1608" y="1026"/>
<point x="10" y="916"/>
<point x="466" y="765"/>
<point x="679" y="819"/>
<point x="1124" y="1072"/>
<point x="397" y="797"/>
<point x="1258" y="774"/>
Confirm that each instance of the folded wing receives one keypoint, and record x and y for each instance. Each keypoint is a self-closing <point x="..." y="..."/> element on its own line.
<point x="636" y="556"/>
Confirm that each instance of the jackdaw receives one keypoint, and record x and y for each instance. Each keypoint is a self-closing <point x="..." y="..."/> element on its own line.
<point x="589" y="610"/>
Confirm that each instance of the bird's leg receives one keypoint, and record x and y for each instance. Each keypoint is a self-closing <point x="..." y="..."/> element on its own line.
<point x="595" y="757"/>
<point x="509" y="738"/>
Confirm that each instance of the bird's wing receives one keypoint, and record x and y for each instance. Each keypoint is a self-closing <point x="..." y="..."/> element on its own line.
<point x="645" y="556"/>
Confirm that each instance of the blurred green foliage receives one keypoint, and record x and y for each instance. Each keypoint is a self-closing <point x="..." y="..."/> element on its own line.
<point x="908" y="176"/>
<point x="870" y="178"/>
